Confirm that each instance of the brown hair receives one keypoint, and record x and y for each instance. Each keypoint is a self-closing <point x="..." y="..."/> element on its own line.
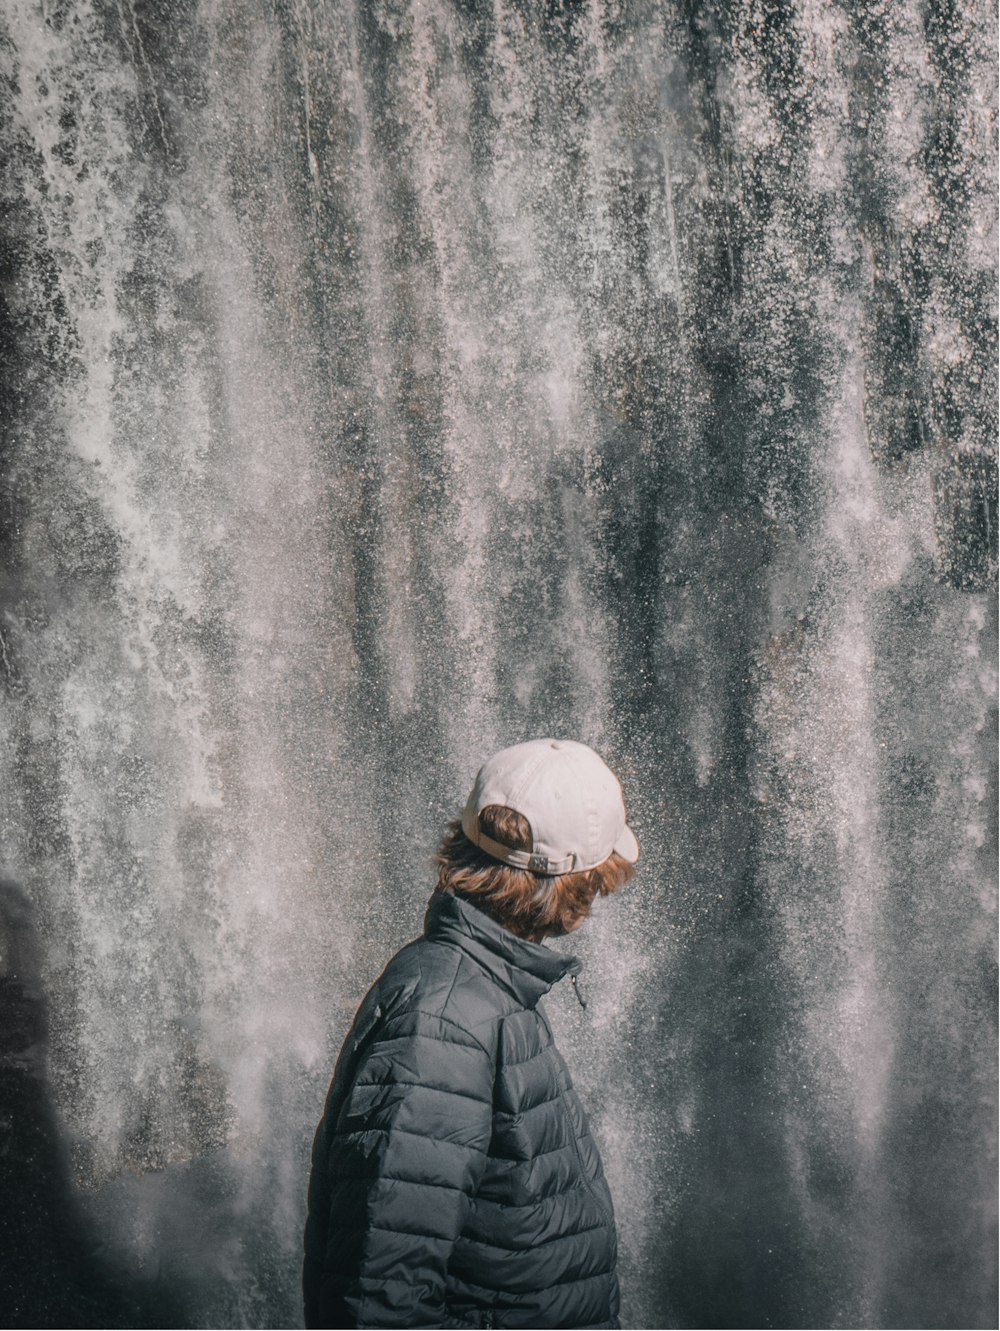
<point x="529" y="904"/>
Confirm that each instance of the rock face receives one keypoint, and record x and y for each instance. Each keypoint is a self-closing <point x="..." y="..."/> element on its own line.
<point x="388" y="382"/>
<point x="53" y="1270"/>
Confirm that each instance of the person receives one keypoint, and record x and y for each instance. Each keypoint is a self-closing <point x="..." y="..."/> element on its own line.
<point x="454" y="1179"/>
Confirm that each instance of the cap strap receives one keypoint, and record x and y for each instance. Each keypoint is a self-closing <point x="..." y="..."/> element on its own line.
<point x="520" y="859"/>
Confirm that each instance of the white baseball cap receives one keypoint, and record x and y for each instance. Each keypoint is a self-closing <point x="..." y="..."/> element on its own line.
<point x="569" y="796"/>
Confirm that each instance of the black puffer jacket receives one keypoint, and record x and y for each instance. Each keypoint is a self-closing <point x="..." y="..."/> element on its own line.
<point x="454" y="1180"/>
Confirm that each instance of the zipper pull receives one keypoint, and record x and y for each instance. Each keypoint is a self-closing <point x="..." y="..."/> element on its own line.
<point x="576" y="989"/>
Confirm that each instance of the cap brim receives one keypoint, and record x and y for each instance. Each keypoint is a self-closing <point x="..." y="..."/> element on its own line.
<point x="627" y="846"/>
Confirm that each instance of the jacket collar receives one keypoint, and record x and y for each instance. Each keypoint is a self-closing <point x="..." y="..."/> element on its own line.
<point x="527" y="970"/>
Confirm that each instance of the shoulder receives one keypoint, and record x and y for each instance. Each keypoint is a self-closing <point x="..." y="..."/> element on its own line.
<point x="438" y="982"/>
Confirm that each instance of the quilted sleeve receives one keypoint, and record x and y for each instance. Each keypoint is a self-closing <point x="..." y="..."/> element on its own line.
<point x="404" y="1159"/>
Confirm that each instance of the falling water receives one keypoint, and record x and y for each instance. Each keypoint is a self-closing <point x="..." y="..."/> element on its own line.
<point x="388" y="381"/>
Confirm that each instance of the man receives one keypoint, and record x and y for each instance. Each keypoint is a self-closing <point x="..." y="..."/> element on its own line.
<point x="454" y="1179"/>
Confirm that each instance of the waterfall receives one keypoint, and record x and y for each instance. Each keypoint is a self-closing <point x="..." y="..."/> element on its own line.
<point x="387" y="381"/>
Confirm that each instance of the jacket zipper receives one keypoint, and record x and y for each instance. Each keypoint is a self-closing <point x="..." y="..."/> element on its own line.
<point x="608" y="1216"/>
<point x="588" y="1182"/>
<point x="488" y="1320"/>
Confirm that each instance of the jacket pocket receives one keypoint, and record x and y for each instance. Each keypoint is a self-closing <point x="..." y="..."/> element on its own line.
<point x="363" y="1103"/>
<point x="364" y="1031"/>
